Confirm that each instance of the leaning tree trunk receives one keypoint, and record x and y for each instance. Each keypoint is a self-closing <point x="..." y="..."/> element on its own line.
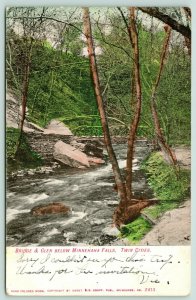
<point x="161" y="140"/>
<point x="94" y="72"/>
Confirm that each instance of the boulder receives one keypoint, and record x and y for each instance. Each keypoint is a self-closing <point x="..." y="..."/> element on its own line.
<point x="69" y="155"/>
<point x="77" y="145"/>
<point x="50" y="208"/>
<point x="90" y="148"/>
<point x="57" y="127"/>
<point x="93" y="149"/>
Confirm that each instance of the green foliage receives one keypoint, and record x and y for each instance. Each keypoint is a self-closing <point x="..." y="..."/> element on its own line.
<point x="60" y="83"/>
<point x="136" y="230"/>
<point x="12" y="136"/>
<point x="156" y="211"/>
<point x="174" y="93"/>
<point x="163" y="179"/>
<point x="170" y="188"/>
<point x="84" y="124"/>
<point x="174" y="98"/>
<point x="25" y="155"/>
<point x="61" y="88"/>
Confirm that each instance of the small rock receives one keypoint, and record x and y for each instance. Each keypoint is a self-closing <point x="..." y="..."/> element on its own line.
<point x="48" y="168"/>
<point x="30" y="172"/>
<point x="55" y="165"/>
<point x="97" y="222"/>
<point x="111" y="231"/>
<point x="51" y="208"/>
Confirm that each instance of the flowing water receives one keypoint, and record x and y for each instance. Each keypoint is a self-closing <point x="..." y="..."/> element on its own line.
<point x="89" y="193"/>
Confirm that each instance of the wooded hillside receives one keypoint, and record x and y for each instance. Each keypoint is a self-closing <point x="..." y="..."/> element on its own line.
<point x="52" y="44"/>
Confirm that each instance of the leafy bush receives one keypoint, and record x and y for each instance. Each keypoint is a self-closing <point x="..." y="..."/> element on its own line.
<point x="12" y="135"/>
<point x="136" y="230"/>
<point x="163" y="179"/>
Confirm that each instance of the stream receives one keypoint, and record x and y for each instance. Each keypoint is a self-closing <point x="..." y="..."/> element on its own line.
<point x="88" y="192"/>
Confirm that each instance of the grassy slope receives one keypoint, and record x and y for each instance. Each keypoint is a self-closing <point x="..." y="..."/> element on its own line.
<point x="61" y="88"/>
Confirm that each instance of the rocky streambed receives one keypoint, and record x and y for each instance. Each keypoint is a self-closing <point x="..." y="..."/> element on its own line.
<point x="88" y="192"/>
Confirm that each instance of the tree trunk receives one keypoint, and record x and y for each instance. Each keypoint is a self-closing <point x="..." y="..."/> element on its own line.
<point x="133" y="128"/>
<point x="165" y="148"/>
<point x="25" y="87"/>
<point x="104" y="122"/>
<point x="128" y="209"/>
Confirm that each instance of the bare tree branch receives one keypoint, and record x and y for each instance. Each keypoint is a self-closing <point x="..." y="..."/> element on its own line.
<point x="155" y="12"/>
<point x="46" y="18"/>
<point x="111" y="44"/>
<point x="126" y="23"/>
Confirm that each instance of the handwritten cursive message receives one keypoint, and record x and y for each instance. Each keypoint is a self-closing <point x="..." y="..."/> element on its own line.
<point x="109" y="270"/>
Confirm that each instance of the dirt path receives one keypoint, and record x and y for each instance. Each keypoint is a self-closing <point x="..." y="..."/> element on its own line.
<point x="174" y="227"/>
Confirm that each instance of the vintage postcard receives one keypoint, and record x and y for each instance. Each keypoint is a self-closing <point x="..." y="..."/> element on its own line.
<point x="98" y="139"/>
